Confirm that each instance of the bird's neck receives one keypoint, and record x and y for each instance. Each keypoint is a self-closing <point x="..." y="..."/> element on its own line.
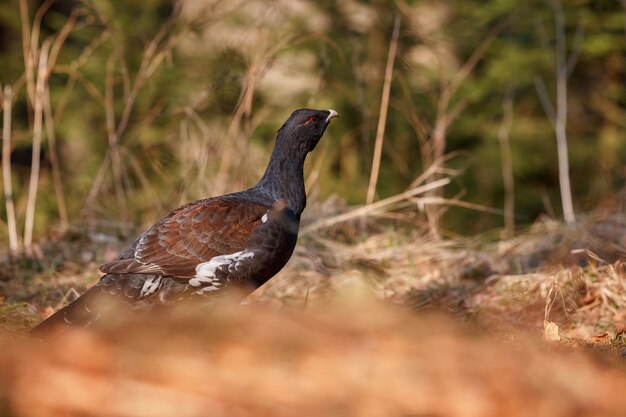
<point x="284" y="178"/>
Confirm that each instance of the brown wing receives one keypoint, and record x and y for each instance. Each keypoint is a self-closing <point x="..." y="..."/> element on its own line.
<point x="193" y="234"/>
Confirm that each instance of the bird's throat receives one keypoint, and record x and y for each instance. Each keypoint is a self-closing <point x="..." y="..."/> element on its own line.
<point x="284" y="179"/>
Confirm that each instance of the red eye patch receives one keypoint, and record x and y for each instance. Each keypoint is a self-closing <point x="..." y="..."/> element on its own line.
<point x="312" y="119"/>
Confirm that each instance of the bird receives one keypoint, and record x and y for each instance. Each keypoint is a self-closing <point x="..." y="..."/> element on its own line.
<point x="206" y="247"/>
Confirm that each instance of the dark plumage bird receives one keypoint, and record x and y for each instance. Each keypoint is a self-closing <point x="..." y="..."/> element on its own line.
<point x="202" y="248"/>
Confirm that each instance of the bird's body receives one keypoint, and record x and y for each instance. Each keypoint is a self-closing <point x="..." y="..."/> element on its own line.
<point x="201" y="249"/>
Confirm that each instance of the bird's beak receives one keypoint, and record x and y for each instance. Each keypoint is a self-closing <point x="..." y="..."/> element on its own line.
<point x="331" y="116"/>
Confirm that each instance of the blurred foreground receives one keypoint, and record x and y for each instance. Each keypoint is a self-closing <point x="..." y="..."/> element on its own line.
<point x="345" y="359"/>
<point x="387" y="324"/>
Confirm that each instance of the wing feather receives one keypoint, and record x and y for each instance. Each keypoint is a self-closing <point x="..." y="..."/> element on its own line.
<point x="192" y="234"/>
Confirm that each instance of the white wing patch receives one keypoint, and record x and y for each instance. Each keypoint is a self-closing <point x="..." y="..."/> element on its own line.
<point x="264" y="218"/>
<point x="205" y="272"/>
<point x="150" y="286"/>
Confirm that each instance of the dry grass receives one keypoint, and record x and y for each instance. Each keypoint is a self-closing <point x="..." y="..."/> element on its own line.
<point x="391" y="324"/>
<point x="506" y="283"/>
<point x="352" y="359"/>
<point x="386" y="322"/>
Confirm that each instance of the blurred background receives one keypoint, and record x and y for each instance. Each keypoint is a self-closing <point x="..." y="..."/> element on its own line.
<point x="132" y="108"/>
<point x="464" y="241"/>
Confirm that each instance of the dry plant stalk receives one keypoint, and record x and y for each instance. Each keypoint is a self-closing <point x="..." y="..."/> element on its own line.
<point x="27" y="51"/>
<point x="371" y="208"/>
<point x="42" y="76"/>
<point x="382" y="116"/>
<point x="560" y="120"/>
<point x="261" y="59"/>
<point x="551" y="329"/>
<point x="447" y="112"/>
<point x="507" y="165"/>
<point x="6" y="170"/>
<point x="156" y="52"/>
<point x="54" y="162"/>
<point x="50" y="122"/>
<point x="243" y="112"/>
<point x="558" y="116"/>
<point x="308" y="361"/>
<point x="113" y="138"/>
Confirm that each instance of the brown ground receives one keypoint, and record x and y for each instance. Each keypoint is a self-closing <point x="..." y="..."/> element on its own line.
<point x="389" y="325"/>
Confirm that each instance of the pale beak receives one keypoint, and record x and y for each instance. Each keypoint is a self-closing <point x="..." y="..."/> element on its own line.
<point x="331" y="116"/>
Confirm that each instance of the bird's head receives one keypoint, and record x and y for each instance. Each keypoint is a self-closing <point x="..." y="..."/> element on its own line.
<point x="304" y="129"/>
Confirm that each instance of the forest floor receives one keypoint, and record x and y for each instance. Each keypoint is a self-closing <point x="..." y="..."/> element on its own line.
<point x="393" y="323"/>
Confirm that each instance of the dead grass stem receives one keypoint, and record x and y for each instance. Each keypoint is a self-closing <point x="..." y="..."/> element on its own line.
<point x="7" y="106"/>
<point x="42" y="76"/>
<point x="382" y="114"/>
<point x="371" y="208"/>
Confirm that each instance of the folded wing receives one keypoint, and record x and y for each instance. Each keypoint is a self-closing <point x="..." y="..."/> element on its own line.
<point x="191" y="235"/>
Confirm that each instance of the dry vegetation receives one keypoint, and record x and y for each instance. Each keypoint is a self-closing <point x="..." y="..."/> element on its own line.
<point x="389" y="324"/>
<point x="380" y="312"/>
<point x="349" y="360"/>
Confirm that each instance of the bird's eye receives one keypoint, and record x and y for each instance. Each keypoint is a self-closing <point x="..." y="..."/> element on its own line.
<point x="312" y="119"/>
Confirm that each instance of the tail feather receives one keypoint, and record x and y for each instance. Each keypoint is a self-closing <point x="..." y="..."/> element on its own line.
<point x="111" y="299"/>
<point x="82" y="312"/>
<point x="111" y="293"/>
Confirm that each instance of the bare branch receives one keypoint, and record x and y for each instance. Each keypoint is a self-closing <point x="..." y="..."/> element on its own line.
<point x="476" y="56"/>
<point x="60" y="39"/>
<point x="545" y="101"/>
<point x="42" y="76"/>
<point x="370" y="208"/>
<point x="113" y="138"/>
<point x="560" y="122"/>
<point x="507" y="163"/>
<point x="54" y="161"/>
<point x="28" y="58"/>
<point x="382" y="115"/>
<point x="6" y="170"/>
<point x="576" y="48"/>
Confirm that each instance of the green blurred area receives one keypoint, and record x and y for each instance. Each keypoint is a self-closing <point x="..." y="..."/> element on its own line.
<point x="209" y="83"/>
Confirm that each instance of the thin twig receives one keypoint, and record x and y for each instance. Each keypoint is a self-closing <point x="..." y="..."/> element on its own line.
<point x="152" y="58"/>
<point x="54" y="161"/>
<point x="61" y="38"/>
<point x="561" y="113"/>
<point x="97" y="183"/>
<point x="73" y="73"/>
<point x="624" y="15"/>
<point x="260" y="61"/>
<point x="243" y="110"/>
<point x="576" y="47"/>
<point x="545" y="101"/>
<point x="453" y="202"/>
<point x="446" y="115"/>
<point x="365" y="210"/>
<point x="42" y="75"/>
<point x="113" y="138"/>
<point x="382" y="115"/>
<point x="155" y="196"/>
<point x="432" y="169"/>
<point x="6" y="170"/>
<point x="26" y="51"/>
<point x="478" y="54"/>
<point x="507" y="164"/>
<point x="30" y="43"/>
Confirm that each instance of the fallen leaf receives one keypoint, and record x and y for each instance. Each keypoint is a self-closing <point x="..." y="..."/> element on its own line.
<point x="551" y="331"/>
